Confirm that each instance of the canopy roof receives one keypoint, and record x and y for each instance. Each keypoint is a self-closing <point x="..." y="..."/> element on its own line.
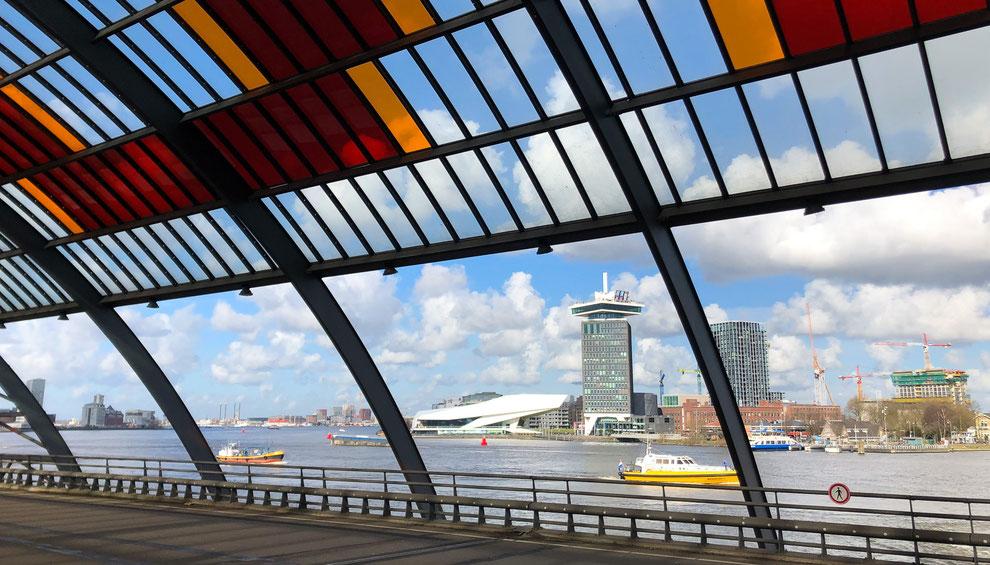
<point x="385" y="133"/>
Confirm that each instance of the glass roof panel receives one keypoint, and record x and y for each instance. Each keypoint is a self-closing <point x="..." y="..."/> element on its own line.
<point x="457" y="85"/>
<point x="689" y="38"/>
<point x="18" y="292"/>
<point x="641" y="143"/>
<point x="227" y="253"/>
<point x="898" y="91"/>
<point x="328" y="211"/>
<point x="386" y="206"/>
<point x="422" y="97"/>
<point x="86" y="13"/>
<point x="74" y="259"/>
<point x="634" y="44"/>
<point x="478" y="184"/>
<point x="553" y="178"/>
<point x="117" y="270"/>
<point x="447" y="195"/>
<point x="510" y="172"/>
<point x="169" y="65"/>
<point x="781" y="123"/>
<point x="150" y="73"/>
<point x="151" y="264"/>
<point x="5" y="244"/>
<point x="28" y="209"/>
<point x="122" y="258"/>
<point x="360" y="215"/>
<point x="595" y="48"/>
<point x="418" y="204"/>
<point x="729" y="136"/>
<point x="183" y="255"/>
<point x="195" y="54"/>
<point x="198" y="246"/>
<point x="448" y="9"/>
<point x="101" y="92"/>
<point x="962" y="82"/>
<point x="54" y="292"/>
<point x="93" y="264"/>
<point x="307" y="223"/>
<point x="593" y="169"/>
<point x="24" y="280"/>
<point x="747" y="31"/>
<point x="240" y="240"/>
<point x="681" y="150"/>
<point x="541" y="72"/>
<point x="285" y="216"/>
<point x="840" y="119"/>
<point x="26" y="40"/>
<point x="165" y="255"/>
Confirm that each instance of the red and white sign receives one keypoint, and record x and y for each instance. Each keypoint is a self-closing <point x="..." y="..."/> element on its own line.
<point x="839" y="493"/>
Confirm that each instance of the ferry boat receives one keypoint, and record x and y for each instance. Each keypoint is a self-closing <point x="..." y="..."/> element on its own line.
<point x="774" y="443"/>
<point x="662" y="468"/>
<point x="232" y="453"/>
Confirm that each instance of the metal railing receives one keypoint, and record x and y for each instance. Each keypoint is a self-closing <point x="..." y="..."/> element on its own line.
<point x="894" y="527"/>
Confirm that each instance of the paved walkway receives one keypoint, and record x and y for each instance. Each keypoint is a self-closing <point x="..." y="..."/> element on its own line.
<point x="44" y="528"/>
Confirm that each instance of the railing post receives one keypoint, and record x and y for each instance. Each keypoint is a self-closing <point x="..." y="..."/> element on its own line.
<point x="972" y="531"/>
<point x="917" y="558"/>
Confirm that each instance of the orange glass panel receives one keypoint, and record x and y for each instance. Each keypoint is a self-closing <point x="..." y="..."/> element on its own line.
<point x="409" y="14"/>
<point x="747" y="31"/>
<point x="43" y="117"/>
<point x="387" y="104"/>
<point x="50" y="205"/>
<point x="221" y="44"/>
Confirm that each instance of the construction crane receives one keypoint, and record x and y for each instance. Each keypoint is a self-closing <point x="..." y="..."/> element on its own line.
<point x="925" y="344"/>
<point x="859" y="380"/>
<point x="821" y="387"/>
<point x="701" y="390"/>
<point x="662" y="376"/>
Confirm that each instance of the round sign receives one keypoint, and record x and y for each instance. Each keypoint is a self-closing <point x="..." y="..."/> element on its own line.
<point x="839" y="493"/>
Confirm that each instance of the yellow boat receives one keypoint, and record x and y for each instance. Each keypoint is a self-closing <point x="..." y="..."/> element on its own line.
<point x="662" y="468"/>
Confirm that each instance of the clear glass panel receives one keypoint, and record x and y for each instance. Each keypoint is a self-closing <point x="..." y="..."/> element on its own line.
<point x="109" y="99"/>
<point x="382" y="200"/>
<point x="34" y="213"/>
<point x="689" y="38"/>
<point x="537" y="63"/>
<point x="633" y="43"/>
<point x="86" y="13"/>
<point x="132" y="268"/>
<point x="419" y="206"/>
<point x="128" y="240"/>
<point x="241" y="240"/>
<point x="92" y="111"/>
<point x="593" y="45"/>
<point x="26" y="280"/>
<point x="152" y="75"/>
<point x="553" y="177"/>
<point x="218" y="243"/>
<point x="681" y="150"/>
<point x="517" y="185"/>
<point x="781" y="122"/>
<point x="422" y="97"/>
<point x="593" y="169"/>
<point x="168" y="64"/>
<point x="47" y="98"/>
<point x="840" y="119"/>
<point x="649" y="161"/>
<point x="289" y="230"/>
<point x="361" y="216"/>
<point x="309" y="226"/>
<point x="449" y="198"/>
<point x="192" y="52"/>
<point x="198" y="247"/>
<point x="34" y="272"/>
<point x="16" y="290"/>
<point x="33" y="34"/>
<point x="495" y="73"/>
<point x="89" y="261"/>
<point x="895" y="83"/>
<point x="103" y="256"/>
<point x="731" y="140"/>
<point x="326" y="209"/>
<point x="161" y="254"/>
<point x="479" y="186"/>
<point x="183" y="256"/>
<point x="447" y="9"/>
<point x="457" y="85"/>
<point x="962" y="83"/>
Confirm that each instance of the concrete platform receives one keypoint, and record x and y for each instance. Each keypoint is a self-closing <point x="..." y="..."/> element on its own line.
<point x="46" y="528"/>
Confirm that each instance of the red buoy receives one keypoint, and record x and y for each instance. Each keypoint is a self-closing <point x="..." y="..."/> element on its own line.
<point x="484" y="441"/>
<point x="242" y="431"/>
<point x="330" y="436"/>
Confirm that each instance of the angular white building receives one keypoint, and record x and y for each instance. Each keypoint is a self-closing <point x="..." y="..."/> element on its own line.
<point x="501" y="415"/>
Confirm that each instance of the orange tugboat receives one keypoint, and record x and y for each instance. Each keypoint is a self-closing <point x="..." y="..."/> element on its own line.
<point x="232" y="453"/>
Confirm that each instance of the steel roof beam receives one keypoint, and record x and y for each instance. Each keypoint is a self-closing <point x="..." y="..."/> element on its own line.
<point x="583" y="79"/>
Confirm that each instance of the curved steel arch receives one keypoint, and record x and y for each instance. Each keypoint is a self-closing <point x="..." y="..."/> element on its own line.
<point x="75" y="33"/>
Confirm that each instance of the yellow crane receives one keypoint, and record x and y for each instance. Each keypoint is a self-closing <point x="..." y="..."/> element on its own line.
<point x="697" y="372"/>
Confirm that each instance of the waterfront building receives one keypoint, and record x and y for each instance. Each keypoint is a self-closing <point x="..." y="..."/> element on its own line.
<point x="94" y="413"/>
<point x="321" y="415"/>
<point x="930" y="384"/>
<point x="37" y="388"/>
<point x="337" y="411"/>
<point x="364" y="414"/>
<point x="139" y="418"/>
<point x="776" y="396"/>
<point x="114" y="418"/>
<point x="693" y="416"/>
<point x="466" y="399"/>
<point x="982" y="426"/>
<point x="851" y="431"/>
<point x="502" y="415"/>
<point x="606" y="358"/>
<point x="743" y="348"/>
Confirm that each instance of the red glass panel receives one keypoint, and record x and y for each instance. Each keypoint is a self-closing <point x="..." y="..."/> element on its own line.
<point x="242" y="144"/>
<point x="178" y="169"/>
<point x="331" y="30"/>
<point x="14" y="155"/>
<point x="275" y="145"/>
<point x="97" y="188"/>
<point x="136" y="180"/>
<point x="25" y="145"/>
<point x="288" y="122"/>
<point x="808" y="25"/>
<point x="291" y="33"/>
<point x="119" y="187"/>
<point x="354" y="111"/>
<point x="368" y="21"/>
<point x="222" y="148"/>
<point x="931" y="10"/>
<point x="250" y="35"/>
<point x="6" y="168"/>
<point x="91" y="204"/>
<point x="67" y="202"/>
<point x="317" y="113"/>
<point x="164" y="183"/>
<point x="28" y="126"/>
<point x="867" y="18"/>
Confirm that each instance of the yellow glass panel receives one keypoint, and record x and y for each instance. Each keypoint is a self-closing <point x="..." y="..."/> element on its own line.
<point x="50" y="205"/>
<point x="43" y="117"/>
<point x="389" y="107"/>
<point x="747" y="31"/>
<point x="221" y="44"/>
<point x="411" y="15"/>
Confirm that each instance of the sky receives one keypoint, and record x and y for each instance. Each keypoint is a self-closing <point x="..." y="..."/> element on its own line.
<point x="887" y="269"/>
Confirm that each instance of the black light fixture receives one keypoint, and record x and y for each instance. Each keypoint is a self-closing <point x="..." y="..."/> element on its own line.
<point x="544" y="248"/>
<point x="246" y="291"/>
<point x="63" y="316"/>
<point x="389" y="270"/>
<point x="814" y="208"/>
<point x="153" y="304"/>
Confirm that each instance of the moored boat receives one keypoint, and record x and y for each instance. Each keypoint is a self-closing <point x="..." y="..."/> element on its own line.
<point x="774" y="443"/>
<point x="233" y="453"/>
<point x="674" y="469"/>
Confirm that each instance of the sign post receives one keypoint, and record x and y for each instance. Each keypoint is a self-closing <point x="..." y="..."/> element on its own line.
<point x="839" y="493"/>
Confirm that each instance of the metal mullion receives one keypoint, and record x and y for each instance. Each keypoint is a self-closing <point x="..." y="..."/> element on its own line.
<point x="71" y="106"/>
<point x="661" y="42"/>
<point x="9" y="28"/>
<point x="231" y="151"/>
<point x="703" y="139"/>
<point x="289" y="142"/>
<point x="757" y="137"/>
<point x="208" y="51"/>
<point x="405" y="103"/>
<point x="106" y="270"/>
<point x="230" y="242"/>
<point x="402" y="206"/>
<point x="153" y="66"/>
<point x="154" y="259"/>
<point x="843" y="23"/>
<point x="199" y="78"/>
<point x="498" y="188"/>
<point x="803" y="100"/>
<point x="521" y="157"/>
<point x="428" y="4"/>
<point x="433" y="200"/>
<point x="868" y="106"/>
<point x="116" y="261"/>
<point x="49" y="234"/>
<point x="772" y="12"/>
<point x="189" y="251"/>
<point x="374" y="212"/>
<point x="48" y="280"/>
<point x="33" y="67"/>
<point x="255" y="244"/>
<point x="67" y="76"/>
<point x="209" y="246"/>
<point x="171" y="255"/>
<point x="466" y="196"/>
<point x="573" y="173"/>
<point x="482" y="89"/>
<point x="180" y="186"/>
<point x="388" y="18"/>
<point x="250" y="137"/>
<point x="658" y="155"/>
<point x="310" y="32"/>
<point x="370" y="109"/>
<point x="123" y="180"/>
<point x="932" y="95"/>
<point x="275" y="39"/>
<point x="301" y="118"/>
<point x="347" y="218"/>
<point x="717" y="35"/>
<point x="23" y="297"/>
<point x="140" y="15"/>
<point x="80" y="264"/>
<point x="89" y="170"/>
<point x="44" y="299"/>
<point x="516" y="68"/>
<point x="299" y="231"/>
<point x="323" y="225"/>
<point x="134" y="259"/>
<point x="596" y="25"/>
<point x="444" y="99"/>
<point x="342" y="17"/>
<point x="56" y="295"/>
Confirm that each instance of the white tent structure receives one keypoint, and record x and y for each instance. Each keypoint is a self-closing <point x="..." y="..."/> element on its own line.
<point x="499" y="415"/>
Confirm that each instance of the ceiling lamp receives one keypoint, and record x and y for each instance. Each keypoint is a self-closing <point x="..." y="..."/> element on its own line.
<point x="389" y="270"/>
<point x="63" y="316"/>
<point x="246" y="291"/>
<point x="544" y="248"/>
<point x="153" y="304"/>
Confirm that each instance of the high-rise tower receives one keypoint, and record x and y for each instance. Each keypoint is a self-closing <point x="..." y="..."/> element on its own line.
<point x="606" y="357"/>
<point x="743" y="347"/>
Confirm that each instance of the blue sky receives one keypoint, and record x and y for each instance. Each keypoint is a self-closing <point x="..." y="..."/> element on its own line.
<point x="878" y="270"/>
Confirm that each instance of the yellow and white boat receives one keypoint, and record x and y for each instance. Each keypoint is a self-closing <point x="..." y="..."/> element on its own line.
<point x="663" y="468"/>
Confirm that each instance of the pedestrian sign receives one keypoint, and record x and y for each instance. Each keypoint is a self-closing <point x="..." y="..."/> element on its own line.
<point x="839" y="493"/>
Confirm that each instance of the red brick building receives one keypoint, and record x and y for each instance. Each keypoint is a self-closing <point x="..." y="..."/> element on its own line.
<point x="692" y="415"/>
